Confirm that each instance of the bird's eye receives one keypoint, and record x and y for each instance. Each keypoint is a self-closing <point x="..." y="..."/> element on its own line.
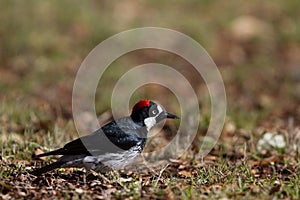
<point x="154" y="112"/>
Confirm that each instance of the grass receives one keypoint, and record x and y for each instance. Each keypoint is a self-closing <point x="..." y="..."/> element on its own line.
<point x="223" y="177"/>
<point x="221" y="174"/>
<point x="42" y="45"/>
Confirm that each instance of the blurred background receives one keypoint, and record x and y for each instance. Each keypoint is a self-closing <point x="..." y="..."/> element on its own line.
<point x="42" y="44"/>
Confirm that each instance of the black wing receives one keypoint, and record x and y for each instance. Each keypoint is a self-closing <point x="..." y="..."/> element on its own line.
<point x="108" y="139"/>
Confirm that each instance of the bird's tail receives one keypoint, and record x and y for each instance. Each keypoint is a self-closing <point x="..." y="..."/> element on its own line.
<point x="55" y="152"/>
<point x="40" y="171"/>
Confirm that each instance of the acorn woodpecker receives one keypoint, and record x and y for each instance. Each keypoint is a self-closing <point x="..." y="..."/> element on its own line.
<point x="112" y="146"/>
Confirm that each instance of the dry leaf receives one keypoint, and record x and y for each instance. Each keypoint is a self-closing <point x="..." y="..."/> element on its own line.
<point x="185" y="173"/>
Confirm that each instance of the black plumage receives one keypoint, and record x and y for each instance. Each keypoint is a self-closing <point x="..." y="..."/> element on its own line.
<point x="112" y="146"/>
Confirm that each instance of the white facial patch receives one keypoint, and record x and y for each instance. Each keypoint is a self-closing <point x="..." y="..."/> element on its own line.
<point x="160" y="110"/>
<point x="150" y="122"/>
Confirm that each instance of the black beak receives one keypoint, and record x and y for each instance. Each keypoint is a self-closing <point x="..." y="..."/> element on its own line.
<point x="165" y="115"/>
<point x="171" y="116"/>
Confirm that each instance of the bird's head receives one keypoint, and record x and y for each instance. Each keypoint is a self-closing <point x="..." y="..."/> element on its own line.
<point x="149" y="113"/>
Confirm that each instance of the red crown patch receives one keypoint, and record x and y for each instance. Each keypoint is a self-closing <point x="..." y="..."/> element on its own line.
<point x="141" y="104"/>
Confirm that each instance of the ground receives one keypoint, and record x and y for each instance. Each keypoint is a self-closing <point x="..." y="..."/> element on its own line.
<point x="255" y="46"/>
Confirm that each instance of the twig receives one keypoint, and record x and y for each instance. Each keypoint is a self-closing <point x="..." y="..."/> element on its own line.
<point x="160" y="173"/>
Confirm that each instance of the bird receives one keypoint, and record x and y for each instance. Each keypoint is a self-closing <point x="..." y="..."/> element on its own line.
<point x="112" y="146"/>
